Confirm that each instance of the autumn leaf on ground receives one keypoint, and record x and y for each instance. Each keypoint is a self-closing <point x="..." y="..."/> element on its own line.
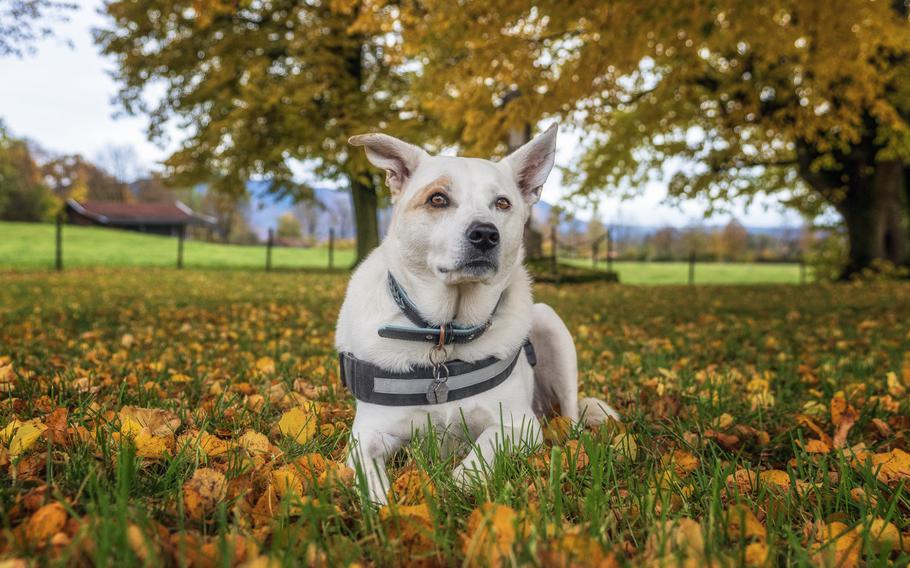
<point x="843" y="417"/>
<point x="674" y="540"/>
<point x="203" y="443"/>
<point x="576" y="550"/>
<point x="891" y="467"/>
<point x="741" y="523"/>
<point x="153" y="421"/>
<point x="556" y="430"/>
<point x="203" y="492"/>
<point x="45" y="523"/>
<point x="298" y="423"/>
<point x="410" y="528"/>
<point x="412" y="487"/>
<point x="22" y="435"/>
<point x="265" y="365"/>
<point x="682" y="462"/>
<point x="836" y="545"/>
<point x="489" y="535"/>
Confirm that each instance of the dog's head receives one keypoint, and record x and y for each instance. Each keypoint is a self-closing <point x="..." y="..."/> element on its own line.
<point x="460" y="219"/>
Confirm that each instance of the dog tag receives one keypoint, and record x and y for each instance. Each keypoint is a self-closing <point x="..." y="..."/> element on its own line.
<point x="438" y="392"/>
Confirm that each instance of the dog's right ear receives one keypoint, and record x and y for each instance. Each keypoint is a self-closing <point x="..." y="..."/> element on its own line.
<point x="398" y="158"/>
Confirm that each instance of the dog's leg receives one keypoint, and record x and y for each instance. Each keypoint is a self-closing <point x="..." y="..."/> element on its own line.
<point x="500" y="439"/>
<point x="556" y="373"/>
<point x="368" y="451"/>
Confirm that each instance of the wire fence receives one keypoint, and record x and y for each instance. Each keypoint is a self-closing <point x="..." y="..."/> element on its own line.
<point x="236" y="256"/>
<point x="602" y="254"/>
<point x="563" y="259"/>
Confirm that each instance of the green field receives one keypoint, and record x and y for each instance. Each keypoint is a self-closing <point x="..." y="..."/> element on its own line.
<point x="705" y="273"/>
<point x="148" y="418"/>
<point x="31" y="245"/>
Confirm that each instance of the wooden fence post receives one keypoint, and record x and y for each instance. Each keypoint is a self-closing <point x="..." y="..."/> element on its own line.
<point x="58" y="256"/>
<point x="609" y="250"/>
<point x="594" y="255"/>
<point x="692" y="268"/>
<point x="180" y="236"/>
<point x="268" y="251"/>
<point x="331" y="248"/>
<point x="553" y="262"/>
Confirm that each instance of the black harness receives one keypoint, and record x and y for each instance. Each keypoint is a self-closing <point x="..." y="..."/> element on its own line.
<point x="442" y="381"/>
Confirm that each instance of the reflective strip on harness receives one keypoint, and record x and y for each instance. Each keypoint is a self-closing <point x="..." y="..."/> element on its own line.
<point x="419" y="386"/>
<point x="369" y="383"/>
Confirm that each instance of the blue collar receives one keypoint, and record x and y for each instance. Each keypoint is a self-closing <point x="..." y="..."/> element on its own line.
<point x="444" y="334"/>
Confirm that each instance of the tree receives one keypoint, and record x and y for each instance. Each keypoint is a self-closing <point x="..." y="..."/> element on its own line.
<point x="261" y="85"/>
<point x="808" y="99"/>
<point x="663" y="244"/>
<point x="72" y="176"/>
<point x="121" y="161"/>
<point x="153" y="189"/>
<point x="288" y="226"/>
<point x="23" y="194"/>
<point x="24" y="22"/>
<point x="308" y="214"/>
<point x="732" y="241"/>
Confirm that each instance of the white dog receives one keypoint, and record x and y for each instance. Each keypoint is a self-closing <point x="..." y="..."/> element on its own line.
<point x="435" y="324"/>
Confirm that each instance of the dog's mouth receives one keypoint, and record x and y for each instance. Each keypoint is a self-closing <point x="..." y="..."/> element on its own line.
<point x="474" y="267"/>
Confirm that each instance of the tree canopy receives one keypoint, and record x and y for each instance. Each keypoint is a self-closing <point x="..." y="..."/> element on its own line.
<point x="257" y="86"/>
<point x="23" y="194"/>
<point x="809" y="97"/>
<point x="24" y="22"/>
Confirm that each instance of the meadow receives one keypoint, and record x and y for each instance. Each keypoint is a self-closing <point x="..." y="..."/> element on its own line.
<point x="30" y="246"/>
<point x="195" y="418"/>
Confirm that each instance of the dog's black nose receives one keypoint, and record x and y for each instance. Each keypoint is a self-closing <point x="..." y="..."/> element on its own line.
<point x="484" y="236"/>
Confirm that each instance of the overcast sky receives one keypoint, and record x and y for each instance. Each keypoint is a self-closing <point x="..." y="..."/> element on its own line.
<point x="61" y="97"/>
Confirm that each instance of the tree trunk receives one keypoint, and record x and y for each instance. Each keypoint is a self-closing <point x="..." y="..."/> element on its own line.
<point x="876" y="215"/>
<point x="872" y="197"/>
<point x="365" y="201"/>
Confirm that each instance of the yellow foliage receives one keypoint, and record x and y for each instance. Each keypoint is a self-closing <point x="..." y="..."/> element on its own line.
<point x="45" y="523"/>
<point x="490" y="534"/>
<point x="24" y="435"/>
<point x="203" y="492"/>
<point x="298" y="423"/>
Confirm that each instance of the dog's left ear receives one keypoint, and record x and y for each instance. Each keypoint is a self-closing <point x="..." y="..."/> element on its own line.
<point x="398" y="158"/>
<point x="531" y="164"/>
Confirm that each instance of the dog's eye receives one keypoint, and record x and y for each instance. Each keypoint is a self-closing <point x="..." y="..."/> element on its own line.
<point x="503" y="204"/>
<point x="438" y="201"/>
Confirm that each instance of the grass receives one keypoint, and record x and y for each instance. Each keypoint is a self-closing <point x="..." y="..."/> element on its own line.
<point x="31" y="245"/>
<point x="705" y="272"/>
<point x="721" y="391"/>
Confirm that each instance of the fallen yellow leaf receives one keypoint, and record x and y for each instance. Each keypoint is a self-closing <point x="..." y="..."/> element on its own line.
<point x="203" y="492"/>
<point x="743" y="524"/>
<point x="411" y="488"/>
<point x="298" y="423"/>
<point x="25" y="436"/>
<point x="490" y="535"/>
<point x="45" y="523"/>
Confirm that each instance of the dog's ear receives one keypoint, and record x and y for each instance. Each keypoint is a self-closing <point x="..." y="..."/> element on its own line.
<point x="531" y="164"/>
<point x="398" y="158"/>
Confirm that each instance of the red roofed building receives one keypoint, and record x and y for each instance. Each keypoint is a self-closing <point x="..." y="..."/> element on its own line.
<point x="158" y="218"/>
